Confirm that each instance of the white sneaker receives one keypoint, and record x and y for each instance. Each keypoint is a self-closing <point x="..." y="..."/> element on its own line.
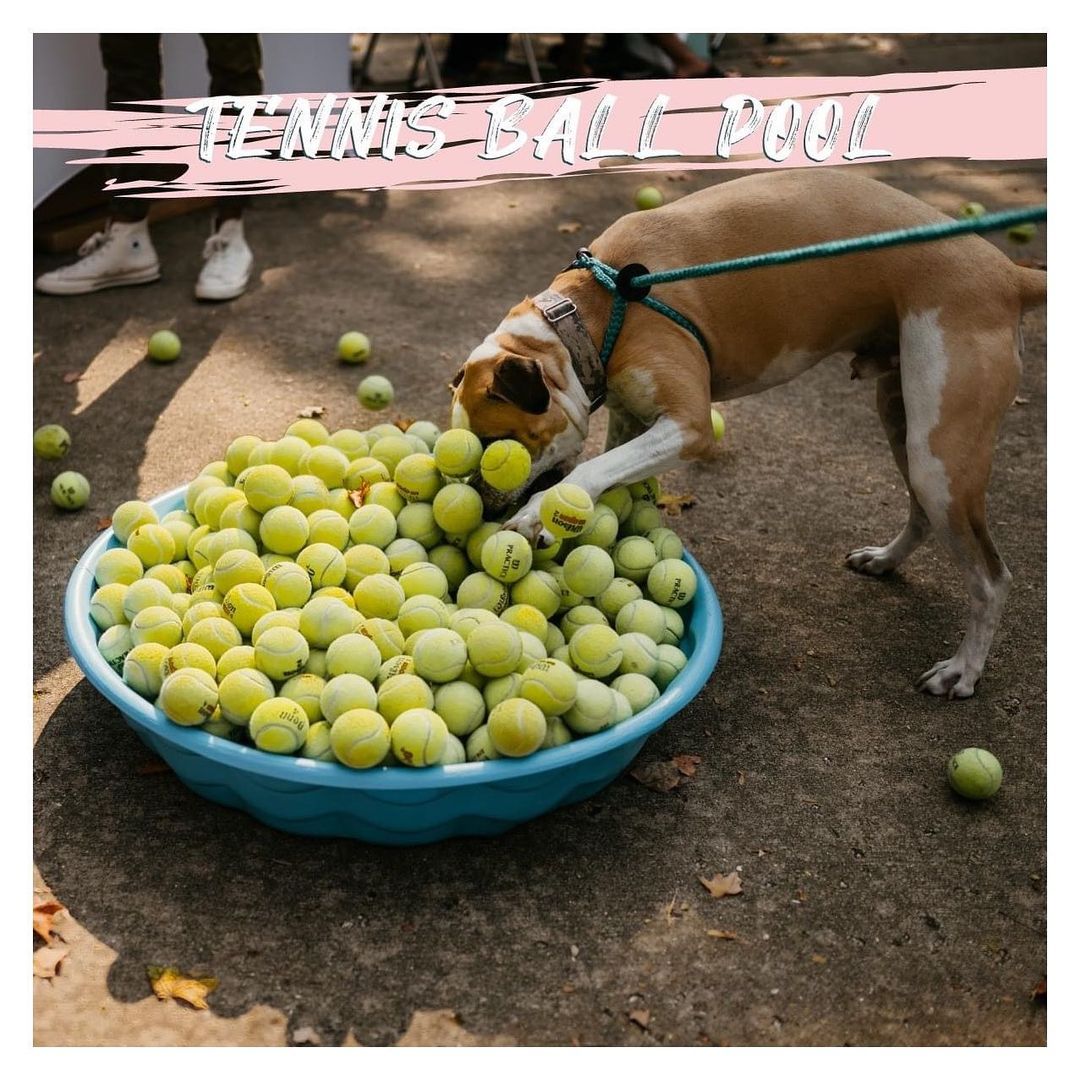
<point x="121" y="255"/>
<point x="228" y="265"/>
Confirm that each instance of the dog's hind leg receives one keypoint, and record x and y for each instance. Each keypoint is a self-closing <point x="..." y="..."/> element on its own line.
<point x="957" y="384"/>
<point x="882" y="560"/>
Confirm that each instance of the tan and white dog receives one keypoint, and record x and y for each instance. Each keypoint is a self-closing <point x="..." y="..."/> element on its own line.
<point x="938" y="325"/>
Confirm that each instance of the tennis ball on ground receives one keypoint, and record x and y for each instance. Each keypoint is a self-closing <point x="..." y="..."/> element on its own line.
<point x="142" y="668"/>
<point x="360" y="739"/>
<point x="310" y="430"/>
<point x="353" y="347"/>
<point x="375" y="392"/>
<point x="188" y="697"/>
<point x="353" y="654"/>
<point x="480" y="590"/>
<point x="506" y="556"/>
<point x="70" y="491"/>
<point x="634" y="557"/>
<point x="670" y="661"/>
<point x="387" y="637"/>
<point x="718" y="426"/>
<point x="403" y="692"/>
<point x="458" y="508"/>
<point x="114" y="645"/>
<point x="439" y="655"/>
<point x="640" y="655"/>
<point x="506" y="465"/>
<point x="241" y="692"/>
<point x="672" y="583"/>
<point x="346" y="692"/>
<point x="305" y="689"/>
<point x="648" y="198"/>
<point x="325" y="565"/>
<point x="325" y="618"/>
<point x="328" y="527"/>
<point x="577" y="618"/>
<point x="284" y="530"/>
<point x="479" y="747"/>
<point x="517" y="727"/>
<point x="266" y="486"/>
<point x="317" y="743"/>
<point x="461" y="707"/>
<point x="118" y="566"/>
<point x="158" y="624"/>
<point x="644" y="517"/>
<point x="379" y="596"/>
<point x="642" y="617"/>
<point x="373" y="525"/>
<point x="550" y="685"/>
<point x="245" y="604"/>
<point x="593" y="709"/>
<point x="972" y="209"/>
<point x="163" y="346"/>
<point x="281" y="653"/>
<point x="51" y="442"/>
<point x="639" y="690"/>
<point x="596" y="651"/>
<point x="494" y="649"/>
<point x="588" y="570"/>
<point x="565" y="510"/>
<point x="974" y="773"/>
<point x="188" y="655"/>
<point x="457" y="453"/>
<point x="238" y="658"/>
<point x="417" y="478"/>
<point x="418" y="737"/>
<point x="279" y="726"/>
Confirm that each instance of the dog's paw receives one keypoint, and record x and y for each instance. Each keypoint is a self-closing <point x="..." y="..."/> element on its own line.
<point x="527" y="522"/>
<point x="875" y="561"/>
<point x="952" y="678"/>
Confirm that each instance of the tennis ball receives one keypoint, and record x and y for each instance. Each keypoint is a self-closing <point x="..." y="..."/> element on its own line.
<point x="403" y="552"/>
<point x="602" y="529"/>
<point x="350" y="442"/>
<point x="216" y="634"/>
<point x="439" y="655"/>
<point x="365" y="470"/>
<point x="194" y="491"/>
<point x="644" y="517"/>
<point x="461" y="707"/>
<point x="565" y="510"/>
<point x="379" y="596"/>
<point x="974" y="773"/>
<point x="325" y="618"/>
<point x="418" y="736"/>
<point x="666" y="543"/>
<point x="158" y="624"/>
<point x="517" y="727"/>
<point x="289" y="453"/>
<point x="284" y="530"/>
<point x="305" y="689"/>
<point x="588" y="570"/>
<point x="972" y="209"/>
<point x="670" y="661"/>
<point x="616" y="596"/>
<point x="172" y="577"/>
<point x="375" y="392"/>
<point x="426" y="431"/>
<point x="142" y="668"/>
<point x="577" y="618"/>
<point x="188" y="697"/>
<point x="494" y="649"/>
<point x="204" y="609"/>
<point x="316" y="663"/>
<point x="310" y="430"/>
<point x="474" y="542"/>
<point x="163" y="346"/>
<point x="118" y="566"/>
<point x="718" y="426"/>
<point x="539" y="590"/>
<point x="241" y="692"/>
<point x="327" y="464"/>
<point x="279" y="726"/>
<point x="501" y="689"/>
<point x="648" y="198"/>
<point x="212" y="504"/>
<point x="593" y="708"/>
<point x="353" y="654"/>
<point x="480" y="590"/>
<point x="479" y="747"/>
<point x="642" y="617"/>
<point x="309" y="494"/>
<point x="417" y="478"/>
<point x="281" y="653"/>
<point x="454" y="753"/>
<point x="596" y="651"/>
<point x="238" y="658"/>
<point x="647" y="490"/>
<point x="317" y="743"/>
<point x="674" y="627"/>
<point x="422" y="613"/>
<point x="452" y="562"/>
<point x="266" y="486"/>
<point x="466" y="619"/>
<point x="391" y="450"/>
<point x="403" y="692"/>
<point x="152" y="544"/>
<point x="385" y="493"/>
<point x="532" y="649"/>
<point x="423" y="579"/>
<point x="387" y="637"/>
<point x="634" y="557"/>
<point x="506" y="556"/>
<point x="558" y="734"/>
<point x="417" y="522"/>
<point x="328" y="527"/>
<point x="288" y="584"/>
<point x="373" y="525"/>
<point x="620" y="500"/>
<point x="527" y="619"/>
<point x="457" y="508"/>
<point x="505" y="465"/>
<point x="1023" y="233"/>
<point x="396" y="665"/>
<point x="181" y="530"/>
<point x="245" y="604"/>
<point x="353" y="347"/>
<point x="553" y="639"/>
<point x="567" y="597"/>
<point x="114" y="645"/>
<point x="239" y="451"/>
<point x="70" y="491"/>
<point x="672" y="583"/>
<point x="51" y="442"/>
<point x="324" y="564"/>
<point x="360" y="738"/>
<point x="640" y="655"/>
<point x="346" y="692"/>
<point x="550" y="685"/>
<point x="220" y="469"/>
<point x="639" y="690"/>
<point x="188" y="655"/>
<point x="237" y="567"/>
<point x="457" y="453"/>
<point x="289" y="617"/>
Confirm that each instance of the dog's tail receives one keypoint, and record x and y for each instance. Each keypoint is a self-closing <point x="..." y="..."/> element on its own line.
<point x="1031" y="284"/>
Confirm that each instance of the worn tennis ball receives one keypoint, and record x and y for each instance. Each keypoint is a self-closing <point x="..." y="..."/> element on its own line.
<point x="266" y="486"/>
<point x="457" y="453"/>
<point x="588" y="570"/>
<point x="245" y="604"/>
<point x="327" y="464"/>
<point x="387" y="636"/>
<point x="373" y="525"/>
<point x="309" y="494"/>
<point x="305" y="689"/>
<point x="203" y="609"/>
<point x="328" y="527"/>
<point x="284" y="530"/>
<point x="638" y="689"/>
<point x="596" y="651"/>
<point x="481" y="590"/>
<point x="458" y="508"/>
<point x="346" y="692"/>
<point x="648" y="198"/>
<point x="527" y="619"/>
<point x="453" y="562"/>
<point x="188" y="697"/>
<point x="537" y="589"/>
<point x="579" y="617"/>
<point x="288" y="584"/>
<point x="479" y="747"/>
<point x="142" y="668"/>
<point x="379" y="596"/>
<point x="396" y="665"/>
<point x="565" y="510"/>
<point x="602" y="529"/>
<point x="316" y="663"/>
<point x="189" y="654"/>
<point x="317" y="743"/>
<point x="666" y="543"/>
<point x="114" y="645"/>
<point x="474" y="542"/>
<point x="180" y="530"/>
<point x="1022" y="233"/>
<point x="494" y="649"/>
<point x="384" y="493"/>
<point x="281" y="652"/>
<point x="216" y="634"/>
<point x="672" y="583"/>
<point x="241" y="692"/>
<point x="416" y="522"/>
<point x="972" y="210"/>
<point x="212" y="504"/>
<point x="325" y="618"/>
<point x="644" y="517"/>
<point x="423" y="579"/>
<point x="558" y="734"/>
<point x="647" y="490"/>
<point x="403" y="692"/>
<point x="353" y="654"/>
<point x="553" y="639"/>
<point x="391" y="450"/>
<point x="640" y="654"/>
<point x="439" y="655"/>
<point x="670" y="661"/>
<point x="362" y="560"/>
<point x="289" y="617"/>
<point x="324" y="564"/>
<point x="353" y="347"/>
<point x="152" y="544"/>
<point x="593" y="709"/>
<point x="616" y="596"/>
<point x="360" y="738"/>
<point x="517" y="727"/>
<point x="70" y="491"/>
<point x="366" y="470"/>
<point x="163" y="346"/>
<point x="418" y="737"/>
<point x="117" y="566"/>
<point x="506" y="556"/>
<point x="620" y="500"/>
<point x="289" y="453"/>
<point x="642" y="617"/>
<point x="51" y="442"/>
<point x="350" y="442"/>
<point x="674" y="627"/>
<point x="239" y="451"/>
<point x="718" y="425"/>
<point x="454" y="751"/>
<point x="974" y="773"/>
<point x="506" y="465"/>
<point x="634" y="557"/>
<point x="550" y="685"/>
<point x="422" y="613"/>
<point x="236" y="567"/>
<point x="159" y="624"/>
<point x="278" y="726"/>
<point x="417" y="478"/>
<point x="461" y="707"/>
<point x="171" y="576"/>
<point x="466" y="619"/>
<point x="238" y="658"/>
<point x="375" y="392"/>
<point x="501" y="689"/>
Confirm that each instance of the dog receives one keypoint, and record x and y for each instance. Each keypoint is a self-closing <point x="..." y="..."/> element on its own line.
<point x="936" y="324"/>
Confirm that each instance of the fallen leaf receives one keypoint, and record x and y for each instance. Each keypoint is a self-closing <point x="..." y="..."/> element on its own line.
<point x="720" y="885"/>
<point x="686" y="763"/>
<point x="640" y="1017"/>
<point x="72" y="376"/>
<point x="170" y="983"/>
<point x="740" y="778"/>
<point x="403" y="423"/>
<point x="800" y="896"/>
<point x="817" y="958"/>
<point x="569" y="227"/>
<point x="658" y="775"/>
<point x="723" y="935"/>
<point x="1038" y="993"/>
<point x="306" y="1036"/>
<point x="1021" y="400"/>
<point x="777" y="61"/>
<point x="152" y="768"/>
<point x="676" y="504"/>
<point x="103" y="524"/>
<point x="830" y="679"/>
<point x="312" y="412"/>
<point x="47" y="961"/>
<point x="358" y="496"/>
<point x="44" y="914"/>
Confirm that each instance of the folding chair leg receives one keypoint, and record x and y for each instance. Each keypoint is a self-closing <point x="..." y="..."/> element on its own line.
<point x="430" y="59"/>
<point x="530" y="57"/>
<point x="365" y="63"/>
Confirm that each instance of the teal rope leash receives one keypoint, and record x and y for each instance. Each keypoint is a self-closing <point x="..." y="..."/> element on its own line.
<point x="633" y="282"/>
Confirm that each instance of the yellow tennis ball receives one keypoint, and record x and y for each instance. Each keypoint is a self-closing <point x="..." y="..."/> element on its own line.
<point x="479" y="747"/>
<point x="644" y="517"/>
<point x="152" y="544"/>
<point x="480" y="590"/>
<point x="527" y="619"/>
<point x="385" y="493"/>
<point x="579" y="617"/>
<point x="458" y="508"/>
<point x="128" y="516"/>
<point x="350" y="442"/>
<point x="506" y="556"/>
<point x="634" y="557"/>
<point x="391" y="449"/>
<point x="565" y="510"/>
<point x="379" y="596"/>
<point x="416" y="522"/>
<point x="118" y="566"/>
<point x="107" y="605"/>
<point x="245" y="604"/>
<point x="375" y="392"/>
<point x="588" y="570"/>
<point x="237" y="658"/>
<point x="362" y="560"/>
<point x="266" y="486"/>
<point x="461" y="707"/>
<point x="51" y="442"/>
<point x="241" y="692"/>
<point x="158" y="624"/>
<point x="403" y="692"/>
<point x="216" y="634"/>
<point x="457" y="453"/>
<point x="237" y="567"/>
<point x="639" y="690"/>
<point x="452" y="562"/>
<point x="305" y="689"/>
<point x="239" y="451"/>
<point x="316" y="663"/>
<point x="423" y="579"/>
<point x="188" y="654"/>
<point x="517" y="727"/>
<point x="281" y="652"/>
<point x="163" y="346"/>
<point x="309" y="494"/>
<point x="142" y="668"/>
<point x="353" y="347"/>
<point x="373" y="525"/>
<point x="327" y="463"/>
<point x="284" y="530"/>
<point x="422" y="613"/>
<point x="439" y="655"/>
<point x="325" y="618"/>
<point x="288" y="584"/>
<point x="188" y="697"/>
<point x="144" y="593"/>
<point x="310" y="430"/>
<point x="317" y="743"/>
<point x="593" y="709"/>
<point x="672" y="583"/>
<point x="640" y="655"/>
<point x="558" y="734"/>
<point x="494" y="649"/>
<point x="718" y="425"/>
<point x="114" y="645"/>
<point x="328" y="527"/>
<point x="417" y="478"/>
<point x="396" y="665"/>
<point x="353" y="654"/>
<point x="666" y="542"/>
<point x="324" y="563"/>
<point x="171" y="576"/>
<point x="289" y="617"/>
<point x="346" y="692"/>
<point x="506" y="465"/>
<point x="596" y="651"/>
<point x="289" y="453"/>
<point x="641" y="617"/>
<point x="360" y="738"/>
<point x="418" y="736"/>
<point x="278" y="726"/>
<point x="387" y="637"/>
<point x="616" y="596"/>
<point x="550" y="685"/>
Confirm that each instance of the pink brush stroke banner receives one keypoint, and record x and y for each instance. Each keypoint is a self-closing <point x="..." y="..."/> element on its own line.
<point x="976" y="115"/>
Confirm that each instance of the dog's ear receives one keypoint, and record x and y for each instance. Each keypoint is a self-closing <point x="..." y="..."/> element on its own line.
<point x="456" y="380"/>
<point x="519" y="381"/>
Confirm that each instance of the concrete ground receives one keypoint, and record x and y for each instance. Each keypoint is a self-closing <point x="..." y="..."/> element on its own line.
<point x="877" y="908"/>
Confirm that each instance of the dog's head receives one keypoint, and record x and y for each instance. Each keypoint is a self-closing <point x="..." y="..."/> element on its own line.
<point x="519" y="384"/>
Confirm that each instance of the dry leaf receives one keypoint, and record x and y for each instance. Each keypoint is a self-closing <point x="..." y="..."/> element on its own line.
<point x="404" y="423"/>
<point x="306" y="1036"/>
<point x="676" y="504"/>
<point x="1021" y="400"/>
<point x="740" y="778"/>
<point x="800" y="896"/>
<point x="640" y="1017"/>
<point x="777" y="61"/>
<point x="72" y="376"/>
<point x="1038" y="993"/>
<point x="569" y="227"/>
<point x="170" y="983"/>
<point x="360" y="494"/>
<point x="723" y="935"/>
<point x="686" y="763"/>
<point x="817" y="958"/>
<point x="312" y="412"/>
<point x="47" y="961"/>
<point x="44" y="914"/>
<point x="103" y="524"/>
<point x="723" y="884"/>
<point x="658" y="775"/>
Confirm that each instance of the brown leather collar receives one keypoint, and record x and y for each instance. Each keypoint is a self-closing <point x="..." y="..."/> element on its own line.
<point x="562" y="313"/>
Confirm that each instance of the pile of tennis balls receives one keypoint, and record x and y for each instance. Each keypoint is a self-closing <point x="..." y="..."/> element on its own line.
<point x="339" y="596"/>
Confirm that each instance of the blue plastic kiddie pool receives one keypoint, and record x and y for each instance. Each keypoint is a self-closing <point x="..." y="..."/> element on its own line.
<point x="395" y="806"/>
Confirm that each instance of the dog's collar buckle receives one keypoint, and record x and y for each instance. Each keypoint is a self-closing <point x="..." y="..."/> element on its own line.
<point x="562" y="313"/>
<point x="560" y="309"/>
